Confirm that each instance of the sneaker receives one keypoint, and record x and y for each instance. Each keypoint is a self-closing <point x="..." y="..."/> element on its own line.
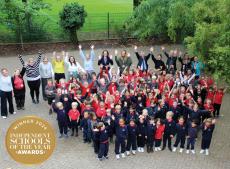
<point x="4" y="117"/>
<point x="187" y="151"/>
<point x="138" y="149"/>
<point x="206" y="152"/>
<point x="170" y="149"/>
<point x="193" y="151"/>
<point x="163" y="148"/>
<point x="201" y="151"/>
<point x="60" y="136"/>
<point x="100" y="159"/>
<point x="174" y="149"/>
<point x="122" y="155"/>
<point x="14" y="112"/>
<point x="117" y="156"/>
<point x="181" y="150"/>
<point x="127" y="153"/>
<point x="142" y="150"/>
<point x="159" y="149"/>
<point x="106" y="157"/>
<point x="156" y="149"/>
<point x="66" y="136"/>
<point x="133" y="152"/>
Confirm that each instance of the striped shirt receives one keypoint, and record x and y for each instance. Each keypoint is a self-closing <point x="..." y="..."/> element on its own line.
<point x="32" y="71"/>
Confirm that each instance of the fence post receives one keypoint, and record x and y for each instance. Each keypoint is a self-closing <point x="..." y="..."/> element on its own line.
<point x="108" y="24"/>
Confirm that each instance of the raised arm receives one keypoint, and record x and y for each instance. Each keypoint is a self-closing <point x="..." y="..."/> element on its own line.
<point x="82" y="55"/>
<point x="21" y="60"/>
<point x="92" y="53"/>
<point x="39" y="58"/>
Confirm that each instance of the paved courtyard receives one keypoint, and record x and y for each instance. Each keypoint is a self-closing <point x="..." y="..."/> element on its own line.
<point x="72" y="153"/>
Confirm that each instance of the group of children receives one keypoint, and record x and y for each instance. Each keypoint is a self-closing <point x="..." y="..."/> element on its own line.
<point x="140" y="106"/>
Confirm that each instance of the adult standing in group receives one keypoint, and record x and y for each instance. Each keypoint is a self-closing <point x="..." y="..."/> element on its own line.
<point x="171" y="59"/>
<point x="197" y="67"/>
<point x="105" y="60"/>
<point x="58" y="66"/>
<point x="6" y="92"/>
<point x="159" y="64"/>
<point x="46" y="72"/>
<point x="124" y="62"/>
<point x="142" y="59"/>
<point x="19" y="88"/>
<point x="87" y="59"/>
<point x="33" y="76"/>
<point x="73" y="67"/>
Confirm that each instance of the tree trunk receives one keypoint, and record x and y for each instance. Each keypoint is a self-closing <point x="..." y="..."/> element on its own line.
<point x="73" y="36"/>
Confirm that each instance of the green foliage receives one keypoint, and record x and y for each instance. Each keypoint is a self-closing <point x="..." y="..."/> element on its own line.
<point x="18" y="15"/>
<point x="204" y="26"/>
<point x="72" y="18"/>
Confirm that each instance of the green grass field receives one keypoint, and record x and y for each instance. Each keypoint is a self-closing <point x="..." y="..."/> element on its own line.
<point x="97" y="11"/>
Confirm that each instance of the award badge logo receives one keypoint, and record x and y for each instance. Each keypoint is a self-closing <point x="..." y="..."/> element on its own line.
<point x="30" y="140"/>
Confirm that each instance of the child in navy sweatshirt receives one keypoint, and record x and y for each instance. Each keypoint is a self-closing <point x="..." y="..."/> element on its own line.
<point x="170" y="130"/>
<point x="132" y="134"/>
<point x="151" y="130"/>
<point x="86" y="127"/>
<point x="141" y="134"/>
<point x="121" y="137"/>
<point x="181" y="131"/>
<point x="207" y="130"/>
<point x="192" y="135"/>
<point x="62" y="119"/>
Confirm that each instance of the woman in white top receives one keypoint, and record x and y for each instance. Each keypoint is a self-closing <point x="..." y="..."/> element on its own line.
<point x="73" y="67"/>
<point x="6" y="92"/>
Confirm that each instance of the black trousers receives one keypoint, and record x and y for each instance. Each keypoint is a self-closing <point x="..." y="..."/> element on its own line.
<point x="62" y="127"/>
<point x="157" y="142"/>
<point x="58" y="76"/>
<point x="166" y="138"/>
<point x="140" y="141"/>
<point x="20" y="100"/>
<point x="150" y="142"/>
<point x="191" y="142"/>
<point x="44" y="84"/>
<point x="216" y="109"/>
<point x="131" y="142"/>
<point x="6" y="97"/>
<point x="34" y="88"/>
<point x="181" y="140"/>
<point x="205" y="143"/>
<point x="119" y="143"/>
<point x="103" y="150"/>
<point x="74" y="125"/>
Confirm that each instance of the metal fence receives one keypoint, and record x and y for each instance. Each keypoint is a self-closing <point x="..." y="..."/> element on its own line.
<point x="97" y="26"/>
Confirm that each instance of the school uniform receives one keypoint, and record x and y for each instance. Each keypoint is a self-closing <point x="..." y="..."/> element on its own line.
<point x="74" y="116"/>
<point x="207" y="136"/>
<point x="170" y="129"/>
<point x="141" y="133"/>
<point x="104" y="144"/>
<point x="131" y="141"/>
<point x="192" y="135"/>
<point x="121" y="136"/>
<point x="62" y="120"/>
<point x="151" y="129"/>
<point x="109" y="123"/>
<point x="158" y="135"/>
<point x="86" y="126"/>
<point x="181" y="131"/>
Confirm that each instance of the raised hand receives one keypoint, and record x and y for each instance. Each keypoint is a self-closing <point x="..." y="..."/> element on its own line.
<point x="151" y="49"/>
<point x="116" y="52"/>
<point x="99" y="57"/>
<point x="128" y="54"/>
<point x="111" y="56"/>
<point x="79" y="47"/>
<point x="92" y="46"/>
<point x="63" y="53"/>
<point x="135" y="47"/>
<point x="162" y="48"/>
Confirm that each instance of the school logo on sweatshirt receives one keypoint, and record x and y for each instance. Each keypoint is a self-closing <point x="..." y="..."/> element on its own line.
<point x="30" y="140"/>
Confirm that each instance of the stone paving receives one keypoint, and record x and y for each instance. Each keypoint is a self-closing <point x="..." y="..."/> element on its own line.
<point x="72" y="153"/>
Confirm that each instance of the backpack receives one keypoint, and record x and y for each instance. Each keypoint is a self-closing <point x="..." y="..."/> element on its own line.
<point x="18" y="83"/>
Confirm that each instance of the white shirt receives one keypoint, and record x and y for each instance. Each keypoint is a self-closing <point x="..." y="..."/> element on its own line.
<point x="5" y="83"/>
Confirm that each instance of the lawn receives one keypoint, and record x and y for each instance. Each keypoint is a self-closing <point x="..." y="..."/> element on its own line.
<point x="97" y="19"/>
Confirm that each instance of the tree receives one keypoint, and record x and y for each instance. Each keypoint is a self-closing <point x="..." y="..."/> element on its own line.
<point x="72" y="18"/>
<point x="18" y="12"/>
<point x="136" y="3"/>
